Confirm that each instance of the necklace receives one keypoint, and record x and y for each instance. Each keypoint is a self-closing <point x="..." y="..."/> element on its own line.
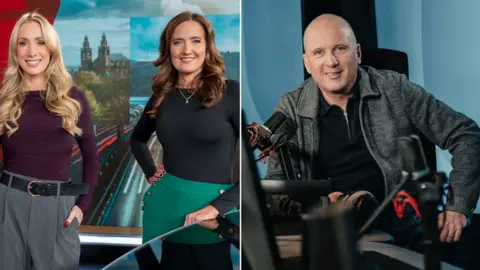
<point x="189" y="97"/>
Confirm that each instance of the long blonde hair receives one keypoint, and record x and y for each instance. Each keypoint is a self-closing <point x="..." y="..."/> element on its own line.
<point x="58" y="82"/>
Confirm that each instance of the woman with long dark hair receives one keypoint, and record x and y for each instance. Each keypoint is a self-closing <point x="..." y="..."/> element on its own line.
<point x="195" y="113"/>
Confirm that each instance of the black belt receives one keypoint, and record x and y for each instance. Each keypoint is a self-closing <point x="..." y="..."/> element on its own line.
<point x="39" y="188"/>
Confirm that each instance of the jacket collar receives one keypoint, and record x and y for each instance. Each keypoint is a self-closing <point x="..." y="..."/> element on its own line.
<point x="310" y="100"/>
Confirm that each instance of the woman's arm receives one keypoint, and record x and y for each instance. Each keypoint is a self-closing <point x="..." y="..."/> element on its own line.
<point x="138" y="141"/>
<point x="87" y="143"/>
<point x="231" y="198"/>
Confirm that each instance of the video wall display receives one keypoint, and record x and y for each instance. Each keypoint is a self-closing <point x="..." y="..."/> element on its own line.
<point x="109" y="48"/>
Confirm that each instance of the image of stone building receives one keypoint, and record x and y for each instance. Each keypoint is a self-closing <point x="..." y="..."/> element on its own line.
<point x="106" y="63"/>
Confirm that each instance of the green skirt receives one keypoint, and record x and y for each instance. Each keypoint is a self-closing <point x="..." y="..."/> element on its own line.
<point x="166" y="205"/>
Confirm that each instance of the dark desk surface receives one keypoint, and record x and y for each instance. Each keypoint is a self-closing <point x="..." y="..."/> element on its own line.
<point x="290" y="246"/>
<point x="290" y="249"/>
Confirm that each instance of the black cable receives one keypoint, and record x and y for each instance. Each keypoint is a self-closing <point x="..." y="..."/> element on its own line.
<point x="368" y="224"/>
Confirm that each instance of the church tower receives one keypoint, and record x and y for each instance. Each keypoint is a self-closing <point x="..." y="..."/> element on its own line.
<point x="103" y="56"/>
<point x="86" y="55"/>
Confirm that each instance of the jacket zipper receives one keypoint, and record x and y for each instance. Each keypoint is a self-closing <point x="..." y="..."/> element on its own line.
<point x="370" y="150"/>
<point x="348" y="126"/>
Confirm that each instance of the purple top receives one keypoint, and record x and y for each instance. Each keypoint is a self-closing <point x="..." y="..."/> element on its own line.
<point x="42" y="149"/>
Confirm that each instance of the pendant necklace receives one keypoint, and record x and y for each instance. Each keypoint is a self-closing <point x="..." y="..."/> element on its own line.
<point x="187" y="98"/>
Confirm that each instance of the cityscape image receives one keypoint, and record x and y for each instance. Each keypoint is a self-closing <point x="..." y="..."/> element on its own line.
<point x="110" y="54"/>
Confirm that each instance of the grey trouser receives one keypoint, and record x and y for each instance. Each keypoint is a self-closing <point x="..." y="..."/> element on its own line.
<point x="32" y="232"/>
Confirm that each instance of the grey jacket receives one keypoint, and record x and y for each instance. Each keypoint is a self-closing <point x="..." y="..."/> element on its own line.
<point x="390" y="107"/>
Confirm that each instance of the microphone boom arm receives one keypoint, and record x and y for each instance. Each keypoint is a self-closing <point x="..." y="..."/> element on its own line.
<point x="428" y="189"/>
<point x="285" y="161"/>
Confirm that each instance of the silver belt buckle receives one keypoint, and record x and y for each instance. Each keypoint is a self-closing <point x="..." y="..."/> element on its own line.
<point x="29" y="187"/>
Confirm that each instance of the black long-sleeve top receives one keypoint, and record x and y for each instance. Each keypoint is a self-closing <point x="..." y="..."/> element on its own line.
<point x="198" y="143"/>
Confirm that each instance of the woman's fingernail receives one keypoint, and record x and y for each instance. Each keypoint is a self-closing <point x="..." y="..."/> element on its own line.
<point x="66" y="224"/>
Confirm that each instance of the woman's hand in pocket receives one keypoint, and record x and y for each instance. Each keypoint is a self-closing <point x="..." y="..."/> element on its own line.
<point x="76" y="212"/>
<point x="158" y="174"/>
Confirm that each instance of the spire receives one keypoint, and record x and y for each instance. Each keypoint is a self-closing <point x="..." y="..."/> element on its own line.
<point x="86" y="43"/>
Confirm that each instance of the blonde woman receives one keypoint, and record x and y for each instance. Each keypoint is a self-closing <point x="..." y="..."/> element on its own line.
<point x="41" y="116"/>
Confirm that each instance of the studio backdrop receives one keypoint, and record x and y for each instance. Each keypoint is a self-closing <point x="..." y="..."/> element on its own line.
<point x="440" y="38"/>
<point x="109" y="48"/>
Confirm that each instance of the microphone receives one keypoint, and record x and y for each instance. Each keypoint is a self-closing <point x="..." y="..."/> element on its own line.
<point x="278" y="121"/>
<point x="427" y="191"/>
<point x="414" y="167"/>
<point x="413" y="157"/>
<point x="273" y="136"/>
<point x="276" y="130"/>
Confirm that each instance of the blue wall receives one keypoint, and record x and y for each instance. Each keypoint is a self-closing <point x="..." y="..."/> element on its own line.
<point x="441" y="39"/>
<point x="271" y="55"/>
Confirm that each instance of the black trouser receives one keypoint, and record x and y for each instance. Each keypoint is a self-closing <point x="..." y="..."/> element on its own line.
<point x="196" y="257"/>
<point x="408" y="233"/>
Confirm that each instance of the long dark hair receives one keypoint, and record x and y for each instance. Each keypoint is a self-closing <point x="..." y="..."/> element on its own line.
<point x="210" y="80"/>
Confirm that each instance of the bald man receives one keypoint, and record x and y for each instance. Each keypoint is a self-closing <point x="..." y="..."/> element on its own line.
<point x="350" y="118"/>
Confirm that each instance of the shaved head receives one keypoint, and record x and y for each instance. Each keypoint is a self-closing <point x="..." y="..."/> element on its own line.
<point x="332" y="54"/>
<point x="328" y="21"/>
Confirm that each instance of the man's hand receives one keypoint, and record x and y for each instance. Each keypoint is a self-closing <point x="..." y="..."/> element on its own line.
<point x="451" y="225"/>
<point x="206" y="213"/>
<point x="334" y="196"/>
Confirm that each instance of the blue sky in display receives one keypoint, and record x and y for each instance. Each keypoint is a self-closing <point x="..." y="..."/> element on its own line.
<point x="145" y="34"/>
<point x="133" y="27"/>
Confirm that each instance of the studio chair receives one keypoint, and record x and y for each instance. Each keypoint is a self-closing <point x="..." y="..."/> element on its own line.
<point x="386" y="59"/>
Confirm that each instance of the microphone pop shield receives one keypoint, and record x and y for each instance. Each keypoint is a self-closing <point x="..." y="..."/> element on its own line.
<point x="413" y="156"/>
<point x="275" y="122"/>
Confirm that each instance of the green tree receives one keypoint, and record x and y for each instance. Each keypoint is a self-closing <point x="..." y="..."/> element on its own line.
<point x="87" y="78"/>
<point x="95" y="107"/>
<point x="114" y="96"/>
